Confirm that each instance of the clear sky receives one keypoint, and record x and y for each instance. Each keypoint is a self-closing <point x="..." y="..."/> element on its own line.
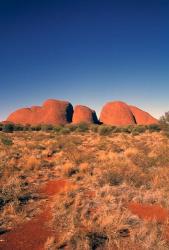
<point x="85" y="51"/>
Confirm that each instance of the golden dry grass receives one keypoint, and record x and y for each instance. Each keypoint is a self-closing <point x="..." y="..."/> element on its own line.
<point x="109" y="172"/>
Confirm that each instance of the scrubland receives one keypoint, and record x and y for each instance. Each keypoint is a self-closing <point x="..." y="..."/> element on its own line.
<point x="104" y="188"/>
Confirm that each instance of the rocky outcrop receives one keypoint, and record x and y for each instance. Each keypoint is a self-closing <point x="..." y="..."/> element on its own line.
<point x="51" y="112"/>
<point x="116" y="113"/>
<point x="119" y="113"/>
<point x="142" y="117"/>
<point x="57" y="112"/>
<point x="84" y="114"/>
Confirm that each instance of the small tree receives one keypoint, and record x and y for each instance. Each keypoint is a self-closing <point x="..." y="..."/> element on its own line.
<point x="164" y="120"/>
<point x="164" y="123"/>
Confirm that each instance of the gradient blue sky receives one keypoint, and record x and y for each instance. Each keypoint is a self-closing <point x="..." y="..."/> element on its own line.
<point x="84" y="51"/>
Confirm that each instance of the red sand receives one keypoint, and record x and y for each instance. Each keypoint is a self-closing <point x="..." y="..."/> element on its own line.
<point x="54" y="187"/>
<point x="149" y="212"/>
<point x="33" y="234"/>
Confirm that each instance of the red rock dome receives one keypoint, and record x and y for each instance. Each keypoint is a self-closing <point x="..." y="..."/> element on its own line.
<point x="61" y="112"/>
<point x="116" y="113"/>
<point x="51" y="112"/>
<point x="84" y="114"/>
<point x="142" y="117"/>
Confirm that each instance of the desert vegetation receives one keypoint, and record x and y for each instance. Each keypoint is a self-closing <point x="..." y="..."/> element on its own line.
<point x="84" y="187"/>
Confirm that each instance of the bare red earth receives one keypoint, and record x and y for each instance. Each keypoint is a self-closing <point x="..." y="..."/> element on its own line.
<point x="33" y="234"/>
<point x="54" y="187"/>
<point x="149" y="212"/>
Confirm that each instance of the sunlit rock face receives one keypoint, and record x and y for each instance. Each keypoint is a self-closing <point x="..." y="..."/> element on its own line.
<point x="84" y="114"/>
<point x="51" y="112"/>
<point x="119" y="113"/>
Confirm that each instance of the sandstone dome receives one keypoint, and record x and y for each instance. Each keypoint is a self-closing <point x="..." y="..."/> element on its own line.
<point x="142" y="117"/>
<point x="120" y="113"/>
<point x="51" y="112"/>
<point x="84" y="114"/>
<point x="116" y="113"/>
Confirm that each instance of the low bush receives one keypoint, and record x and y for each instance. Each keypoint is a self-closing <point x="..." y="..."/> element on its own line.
<point x="57" y="128"/>
<point x="154" y="127"/>
<point x="71" y="127"/>
<point x="82" y="127"/>
<point x="47" y="127"/>
<point x="6" y="141"/>
<point x="35" y="128"/>
<point x="8" y="128"/>
<point x="105" y="130"/>
<point x="64" y="130"/>
<point x="138" y="129"/>
<point x="94" y="128"/>
<point x="112" y="177"/>
<point x="117" y="130"/>
<point x="126" y="129"/>
<point x="18" y="127"/>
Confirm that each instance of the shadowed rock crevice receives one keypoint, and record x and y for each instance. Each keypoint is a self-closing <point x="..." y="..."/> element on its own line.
<point x="69" y="113"/>
<point x="134" y="119"/>
<point x="95" y="119"/>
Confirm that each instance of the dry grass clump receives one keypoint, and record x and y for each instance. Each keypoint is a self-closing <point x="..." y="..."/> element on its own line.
<point x="85" y="219"/>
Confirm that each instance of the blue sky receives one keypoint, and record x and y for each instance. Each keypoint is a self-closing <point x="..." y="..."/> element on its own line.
<point x="84" y="51"/>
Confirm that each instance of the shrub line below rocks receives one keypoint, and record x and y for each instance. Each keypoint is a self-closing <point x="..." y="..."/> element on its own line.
<point x="82" y="127"/>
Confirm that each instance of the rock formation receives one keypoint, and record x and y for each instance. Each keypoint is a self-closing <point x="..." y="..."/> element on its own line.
<point x="58" y="112"/>
<point x="119" y="113"/>
<point x="84" y="114"/>
<point x="51" y="112"/>
<point x="116" y="113"/>
<point x="142" y="117"/>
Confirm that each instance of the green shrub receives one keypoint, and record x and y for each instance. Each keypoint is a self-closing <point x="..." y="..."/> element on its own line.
<point x="18" y="127"/>
<point x="27" y="127"/>
<point x="94" y="128"/>
<point x="64" y="130"/>
<point x="154" y="127"/>
<point x="117" y="129"/>
<point x="82" y="127"/>
<point x="164" y="121"/>
<point x="8" y="128"/>
<point x="47" y="127"/>
<point x="35" y="128"/>
<point x="134" y="133"/>
<point x="105" y="130"/>
<point x="71" y="127"/>
<point x="164" y="124"/>
<point x="57" y="128"/>
<point x="72" y="171"/>
<point x="6" y="141"/>
<point x="138" y="129"/>
<point x="113" y="178"/>
<point x="127" y="129"/>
